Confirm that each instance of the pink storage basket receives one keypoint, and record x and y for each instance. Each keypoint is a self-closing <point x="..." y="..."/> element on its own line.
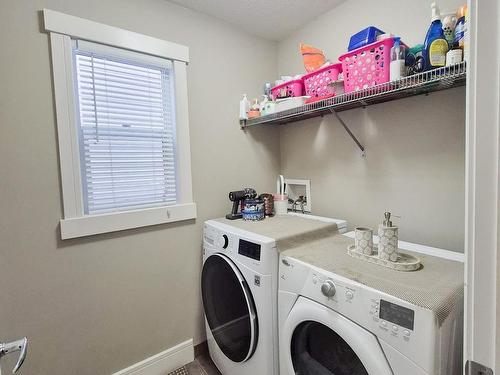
<point x="317" y="84"/>
<point x="288" y="89"/>
<point x="367" y="66"/>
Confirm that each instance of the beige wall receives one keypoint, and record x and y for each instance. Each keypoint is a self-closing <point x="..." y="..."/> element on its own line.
<point x="96" y="305"/>
<point x="415" y="147"/>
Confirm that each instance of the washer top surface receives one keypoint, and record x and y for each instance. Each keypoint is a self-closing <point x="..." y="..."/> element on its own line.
<point x="286" y="230"/>
<point x="437" y="286"/>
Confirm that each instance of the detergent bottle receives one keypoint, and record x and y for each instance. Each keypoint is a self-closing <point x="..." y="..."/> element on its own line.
<point x="461" y="30"/>
<point x="436" y="45"/>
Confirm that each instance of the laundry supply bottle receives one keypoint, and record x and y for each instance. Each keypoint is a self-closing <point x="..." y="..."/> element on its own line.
<point x="449" y="23"/>
<point x="263" y="105"/>
<point x="466" y="35"/>
<point x="415" y="60"/>
<point x="244" y="107"/>
<point x="398" y="55"/>
<point x="435" y="45"/>
<point x="461" y="29"/>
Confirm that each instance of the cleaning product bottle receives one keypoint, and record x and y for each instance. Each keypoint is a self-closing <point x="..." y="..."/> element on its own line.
<point x="263" y="104"/>
<point x="454" y="56"/>
<point x="461" y="28"/>
<point x="466" y="35"/>
<point x="415" y="59"/>
<point x="435" y="46"/>
<point x="244" y="107"/>
<point x="397" y="67"/>
<point x="449" y="23"/>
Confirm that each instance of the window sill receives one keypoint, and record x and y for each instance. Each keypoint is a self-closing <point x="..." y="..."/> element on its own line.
<point x="116" y="221"/>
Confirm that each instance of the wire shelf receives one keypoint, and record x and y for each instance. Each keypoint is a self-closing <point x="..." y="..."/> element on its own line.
<point x="417" y="84"/>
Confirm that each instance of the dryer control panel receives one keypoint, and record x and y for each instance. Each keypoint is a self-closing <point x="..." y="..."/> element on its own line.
<point x="394" y="313"/>
<point x="383" y="314"/>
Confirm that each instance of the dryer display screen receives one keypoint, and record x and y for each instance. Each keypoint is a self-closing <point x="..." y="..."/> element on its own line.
<point x="396" y="314"/>
<point x="249" y="249"/>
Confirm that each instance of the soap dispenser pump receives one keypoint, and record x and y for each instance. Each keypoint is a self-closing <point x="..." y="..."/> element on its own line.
<point x="387" y="222"/>
<point x="388" y="239"/>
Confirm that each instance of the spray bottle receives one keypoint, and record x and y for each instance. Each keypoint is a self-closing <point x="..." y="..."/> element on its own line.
<point x="436" y="45"/>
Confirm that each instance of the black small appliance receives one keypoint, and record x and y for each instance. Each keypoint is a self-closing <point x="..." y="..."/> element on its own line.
<point x="236" y="197"/>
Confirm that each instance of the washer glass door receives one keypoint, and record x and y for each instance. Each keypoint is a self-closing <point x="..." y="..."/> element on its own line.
<point x="229" y="308"/>
<point x="317" y="349"/>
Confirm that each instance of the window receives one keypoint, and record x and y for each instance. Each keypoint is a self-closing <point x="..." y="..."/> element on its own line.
<point x="121" y="106"/>
<point x="126" y="130"/>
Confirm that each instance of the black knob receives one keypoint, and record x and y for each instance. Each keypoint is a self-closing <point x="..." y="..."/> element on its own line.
<point x="226" y="242"/>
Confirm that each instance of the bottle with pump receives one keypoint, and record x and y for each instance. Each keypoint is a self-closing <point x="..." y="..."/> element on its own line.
<point x="398" y="56"/>
<point x="388" y="239"/>
<point x="436" y="45"/>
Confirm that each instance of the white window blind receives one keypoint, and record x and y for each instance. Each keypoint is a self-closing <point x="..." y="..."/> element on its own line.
<point x="126" y="129"/>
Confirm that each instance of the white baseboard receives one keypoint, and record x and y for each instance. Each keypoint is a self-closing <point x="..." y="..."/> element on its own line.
<point x="164" y="362"/>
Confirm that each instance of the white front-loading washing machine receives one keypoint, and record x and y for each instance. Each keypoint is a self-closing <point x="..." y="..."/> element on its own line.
<point x="332" y="324"/>
<point x="239" y="285"/>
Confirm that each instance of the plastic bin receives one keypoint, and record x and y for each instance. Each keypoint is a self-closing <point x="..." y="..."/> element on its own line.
<point x="317" y="83"/>
<point x="364" y="37"/>
<point x="289" y="103"/>
<point x="367" y="66"/>
<point x="288" y="89"/>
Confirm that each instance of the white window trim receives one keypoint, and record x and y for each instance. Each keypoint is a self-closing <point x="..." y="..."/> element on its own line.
<point x="81" y="28"/>
<point x="75" y="223"/>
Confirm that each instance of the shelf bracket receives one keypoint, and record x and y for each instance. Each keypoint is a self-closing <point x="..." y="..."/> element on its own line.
<point x="360" y="146"/>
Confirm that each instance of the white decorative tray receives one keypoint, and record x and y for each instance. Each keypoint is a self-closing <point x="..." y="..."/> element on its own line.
<point x="405" y="262"/>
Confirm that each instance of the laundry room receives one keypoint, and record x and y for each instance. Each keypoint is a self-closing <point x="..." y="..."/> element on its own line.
<point x="249" y="187"/>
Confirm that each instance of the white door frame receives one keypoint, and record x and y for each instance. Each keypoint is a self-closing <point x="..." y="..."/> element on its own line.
<point x="482" y="173"/>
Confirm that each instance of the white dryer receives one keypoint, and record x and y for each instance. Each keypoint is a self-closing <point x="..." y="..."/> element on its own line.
<point x="239" y="285"/>
<point x="332" y="324"/>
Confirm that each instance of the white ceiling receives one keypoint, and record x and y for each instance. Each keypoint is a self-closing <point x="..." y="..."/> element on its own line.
<point x="271" y="19"/>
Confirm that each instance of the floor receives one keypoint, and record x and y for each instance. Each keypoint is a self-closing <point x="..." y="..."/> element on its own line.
<point x="202" y="365"/>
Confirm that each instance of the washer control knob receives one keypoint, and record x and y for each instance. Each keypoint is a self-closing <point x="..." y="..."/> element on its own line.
<point x="328" y="288"/>
<point x="349" y="295"/>
<point x="225" y="241"/>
